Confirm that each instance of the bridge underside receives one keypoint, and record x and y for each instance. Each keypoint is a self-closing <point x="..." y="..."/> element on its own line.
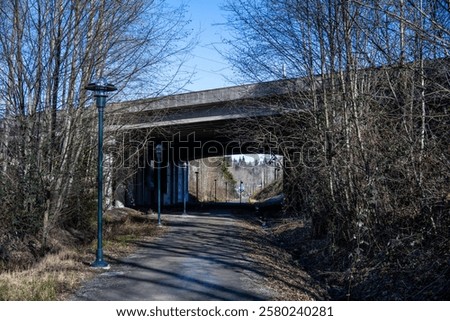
<point x="180" y="144"/>
<point x="188" y="127"/>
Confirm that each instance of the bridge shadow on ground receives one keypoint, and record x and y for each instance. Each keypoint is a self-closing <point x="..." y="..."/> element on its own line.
<point x="203" y="256"/>
<point x="205" y="259"/>
<point x="200" y="258"/>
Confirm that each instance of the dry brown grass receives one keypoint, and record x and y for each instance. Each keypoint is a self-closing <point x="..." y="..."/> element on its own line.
<point x="58" y="275"/>
<point x="49" y="279"/>
<point x="406" y="271"/>
<point x="288" y="280"/>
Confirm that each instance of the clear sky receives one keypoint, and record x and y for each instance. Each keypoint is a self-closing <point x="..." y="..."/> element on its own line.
<point x="210" y="69"/>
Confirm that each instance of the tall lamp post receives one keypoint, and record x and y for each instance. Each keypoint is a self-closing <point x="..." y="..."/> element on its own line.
<point x="100" y="88"/>
<point x="196" y="186"/>
<point x="226" y="192"/>
<point x="158" y="159"/>
<point x="184" y="167"/>
<point x="215" y="190"/>
<point x="241" y="189"/>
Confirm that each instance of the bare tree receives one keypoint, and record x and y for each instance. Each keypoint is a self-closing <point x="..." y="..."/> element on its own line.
<point x="366" y="125"/>
<point x="49" y="51"/>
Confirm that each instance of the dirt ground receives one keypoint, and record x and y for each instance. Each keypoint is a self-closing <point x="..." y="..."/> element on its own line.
<point x="293" y="265"/>
<point x="316" y="267"/>
<point x="283" y="274"/>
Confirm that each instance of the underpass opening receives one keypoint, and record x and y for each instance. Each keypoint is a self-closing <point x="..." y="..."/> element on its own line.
<point x="221" y="178"/>
<point x="235" y="178"/>
<point x="199" y="127"/>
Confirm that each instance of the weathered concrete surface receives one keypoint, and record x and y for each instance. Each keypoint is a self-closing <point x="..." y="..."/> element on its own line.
<point x="200" y="258"/>
<point x="204" y="108"/>
<point x="212" y="97"/>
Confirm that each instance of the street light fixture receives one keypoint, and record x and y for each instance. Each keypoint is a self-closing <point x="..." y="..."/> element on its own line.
<point x="158" y="159"/>
<point x="100" y="88"/>
<point x="184" y="167"/>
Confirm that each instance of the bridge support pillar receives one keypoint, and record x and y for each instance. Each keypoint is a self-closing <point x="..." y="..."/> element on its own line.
<point x="142" y="189"/>
<point x="108" y="169"/>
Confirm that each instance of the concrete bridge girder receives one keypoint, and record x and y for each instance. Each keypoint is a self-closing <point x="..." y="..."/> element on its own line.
<point x="194" y="127"/>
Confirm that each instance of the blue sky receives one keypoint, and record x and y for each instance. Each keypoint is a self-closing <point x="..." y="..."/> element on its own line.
<point x="210" y="68"/>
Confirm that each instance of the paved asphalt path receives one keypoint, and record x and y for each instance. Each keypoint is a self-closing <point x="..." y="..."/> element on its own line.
<point x="201" y="258"/>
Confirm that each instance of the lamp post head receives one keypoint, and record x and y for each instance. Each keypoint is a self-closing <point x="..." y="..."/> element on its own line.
<point x="100" y="88"/>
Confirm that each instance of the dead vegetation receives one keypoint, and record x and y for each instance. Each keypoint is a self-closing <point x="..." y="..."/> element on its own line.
<point x="66" y="265"/>
<point x="271" y="190"/>
<point x="282" y="273"/>
<point x="363" y="133"/>
<point x="414" y="267"/>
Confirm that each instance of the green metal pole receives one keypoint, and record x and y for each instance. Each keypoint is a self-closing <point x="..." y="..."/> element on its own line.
<point x="99" y="262"/>
<point x="158" y="156"/>
<point x="226" y="192"/>
<point x="196" y="186"/>
<point x="240" y="193"/>
<point x="100" y="88"/>
<point x="184" y="166"/>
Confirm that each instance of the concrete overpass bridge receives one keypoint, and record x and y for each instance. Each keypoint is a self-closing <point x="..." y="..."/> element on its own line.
<point x="188" y="126"/>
